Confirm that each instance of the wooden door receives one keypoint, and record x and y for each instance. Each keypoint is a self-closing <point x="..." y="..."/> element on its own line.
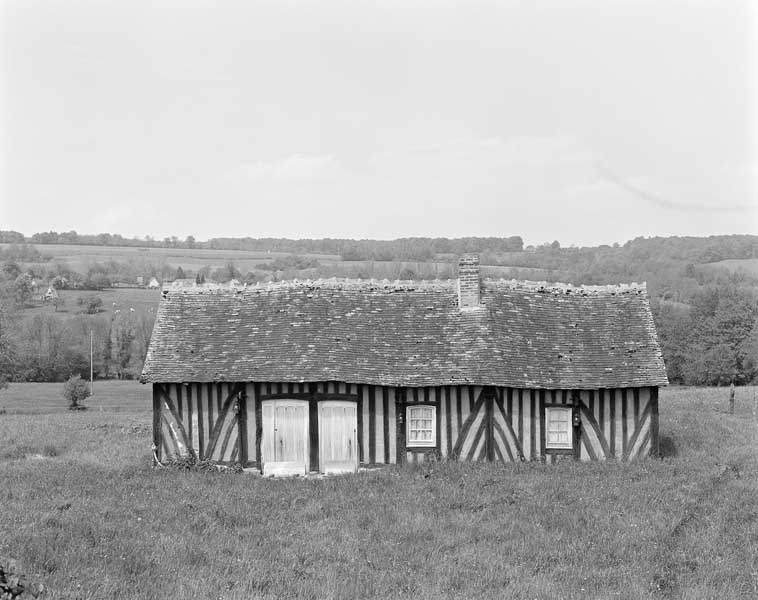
<point x="284" y="442"/>
<point x="338" y="436"/>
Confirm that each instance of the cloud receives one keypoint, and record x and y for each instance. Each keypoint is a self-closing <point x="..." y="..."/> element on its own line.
<point x="663" y="200"/>
<point x="561" y="150"/>
<point x="296" y="168"/>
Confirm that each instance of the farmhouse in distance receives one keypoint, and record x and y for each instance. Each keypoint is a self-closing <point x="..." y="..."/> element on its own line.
<point x="332" y="375"/>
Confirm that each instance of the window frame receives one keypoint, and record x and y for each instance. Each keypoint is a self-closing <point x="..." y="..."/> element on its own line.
<point x="420" y="443"/>
<point x="563" y="448"/>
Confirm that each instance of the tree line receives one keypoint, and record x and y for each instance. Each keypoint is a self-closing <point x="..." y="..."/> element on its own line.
<point x="412" y="248"/>
<point x="706" y="315"/>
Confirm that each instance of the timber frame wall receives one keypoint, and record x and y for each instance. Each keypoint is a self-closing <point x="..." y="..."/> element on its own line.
<point x="222" y="422"/>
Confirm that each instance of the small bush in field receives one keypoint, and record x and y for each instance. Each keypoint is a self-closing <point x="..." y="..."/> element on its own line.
<point x="49" y="450"/>
<point x="190" y="463"/>
<point x="75" y="390"/>
<point x="14" y="584"/>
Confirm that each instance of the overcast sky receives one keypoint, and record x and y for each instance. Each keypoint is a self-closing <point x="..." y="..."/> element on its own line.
<point x="587" y="122"/>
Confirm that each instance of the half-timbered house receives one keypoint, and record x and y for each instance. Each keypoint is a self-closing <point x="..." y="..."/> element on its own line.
<point x="332" y="375"/>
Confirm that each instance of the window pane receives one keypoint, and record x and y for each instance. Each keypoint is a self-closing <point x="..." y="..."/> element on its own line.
<point x="421" y="425"/>
<point x="558" y="427"/>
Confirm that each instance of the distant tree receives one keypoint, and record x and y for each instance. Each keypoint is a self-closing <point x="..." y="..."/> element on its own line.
<point x="190" y="242"/>
<point x="75" y="390"/>
<point x="143" y="328"/>
<point x="97" y="281"/>
<point x="107" y="350"/>
<point x="11" y="237"/>
<point x="58" y="302"/>
<point x="226" y="273"/>
<point x="748" y="350"/>
<point x="59" y="282"/>
<point x="7" y="345"/>
<point x="23" y="289"/>
<point x="179" y="273"/>
<point x="68" y="237"/>
<point x="90" y="304"/>
<point x="104" y="239"/>
<point x="123" y="331"/>
<point x="11" y="270"/>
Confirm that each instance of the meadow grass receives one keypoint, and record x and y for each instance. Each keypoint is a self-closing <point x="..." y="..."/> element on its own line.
<point x="747" y="265"/>
<point x="80" y="257"/>
<point x="85" y="515"/>
<point x="122" y="299"/>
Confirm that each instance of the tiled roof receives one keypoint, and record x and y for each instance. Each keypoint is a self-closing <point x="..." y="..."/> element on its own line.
<point x="524" y="334"/>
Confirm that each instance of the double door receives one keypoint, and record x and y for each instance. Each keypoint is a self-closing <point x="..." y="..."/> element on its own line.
<point x="286" y="444"/>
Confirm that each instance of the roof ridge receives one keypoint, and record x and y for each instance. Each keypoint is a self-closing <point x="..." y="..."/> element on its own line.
<point x="326" y="283"/>
<point x="557" y="287"/>
<point x="339" y="283"/>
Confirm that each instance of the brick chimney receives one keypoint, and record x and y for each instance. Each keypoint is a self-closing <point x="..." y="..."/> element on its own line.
<point x="468" y="281"/>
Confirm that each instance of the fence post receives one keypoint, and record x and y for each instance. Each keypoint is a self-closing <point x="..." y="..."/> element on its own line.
<point x="731" y="399"/>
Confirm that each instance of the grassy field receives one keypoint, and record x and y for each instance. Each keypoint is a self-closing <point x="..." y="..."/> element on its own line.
<point x="747" y="265"/>
<point x="122" y="299"/>
<point x="78" y="257"/>
<point x="84" y="514"/>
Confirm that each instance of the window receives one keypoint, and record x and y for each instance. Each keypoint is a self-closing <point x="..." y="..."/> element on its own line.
<point x="559" y="435"/>
<point x="422" y="425"/>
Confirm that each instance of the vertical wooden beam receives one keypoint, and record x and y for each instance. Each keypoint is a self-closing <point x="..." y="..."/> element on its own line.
<point x="242" y="423"/>
<point x="601" y="415"/>
<point x="612" y="440"/>
<point x="200" y="421"/>
<point x="400" y="402"/>
<point x="636" y="392"/>
<point x="509" y="406"/>
<point x="209" y="408"/>
<point x="521" y="417"/>
<point x="489" y="421"/>
<point x="458" y="409"/>
<point x="179" y="408"/>
<point x="314" y="449"/>
<point x="542" y="399"/>
<point x="576" y="412"/>
<point x="372" y="424"/>
<point x="623" y="421"/>
<point x="448" y="423"/>
<point x="542" y="430"/>
<point x="157" y="436"/>
<point x="437" y="392"/>
<point x="258" y="426"/>
<point x="386" y="424"/>
<point x="654" y="441"/>
<point x="190" y="432"/>
<point x="532" y="422"/>
<point x="359" y="408"/>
